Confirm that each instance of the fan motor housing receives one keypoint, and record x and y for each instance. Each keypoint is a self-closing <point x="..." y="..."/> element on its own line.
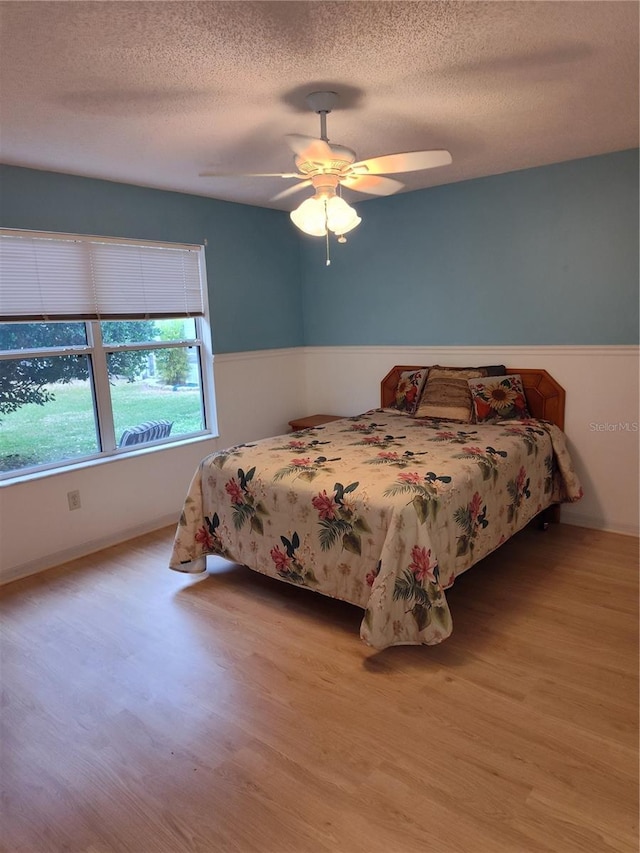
<point x="328" y="167"/>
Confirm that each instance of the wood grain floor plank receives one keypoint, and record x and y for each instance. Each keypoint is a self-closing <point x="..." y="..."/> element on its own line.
<point x="153" y="712"/>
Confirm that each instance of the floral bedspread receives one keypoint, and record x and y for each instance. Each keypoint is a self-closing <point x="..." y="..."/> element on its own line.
<point x="381" y="510"/>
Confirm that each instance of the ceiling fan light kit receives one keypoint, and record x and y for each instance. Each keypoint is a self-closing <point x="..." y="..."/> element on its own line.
<point x="327" y="167"/>
<point x="317" y="215"/>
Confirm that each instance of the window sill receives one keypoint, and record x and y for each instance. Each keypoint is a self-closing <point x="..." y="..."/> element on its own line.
<point x="103" y="460"/>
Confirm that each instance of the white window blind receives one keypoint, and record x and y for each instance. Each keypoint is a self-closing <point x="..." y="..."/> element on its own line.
<point x="65" y="277"/>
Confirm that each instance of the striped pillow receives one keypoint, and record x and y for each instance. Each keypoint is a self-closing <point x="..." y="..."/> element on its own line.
<point x="447" y="395"/>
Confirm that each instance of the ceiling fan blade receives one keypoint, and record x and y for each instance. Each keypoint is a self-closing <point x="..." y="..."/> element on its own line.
<point x="308" y="147"/>
<point x="250" y="175"/>
<point x="372" y="184"/>
<point x="291" y="190"/>
<point x="411" y="161"/>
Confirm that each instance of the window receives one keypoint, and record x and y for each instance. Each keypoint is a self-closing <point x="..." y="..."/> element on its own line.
<point x="104" y="348"/>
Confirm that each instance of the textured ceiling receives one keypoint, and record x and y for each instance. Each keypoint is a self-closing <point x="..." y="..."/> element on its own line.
<point x="154" y="93"/>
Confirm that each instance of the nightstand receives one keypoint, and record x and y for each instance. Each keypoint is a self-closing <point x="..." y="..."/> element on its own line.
<point x="312" y="421"/>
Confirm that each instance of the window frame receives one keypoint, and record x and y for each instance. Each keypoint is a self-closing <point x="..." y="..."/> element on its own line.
<point x="97" y="352"/>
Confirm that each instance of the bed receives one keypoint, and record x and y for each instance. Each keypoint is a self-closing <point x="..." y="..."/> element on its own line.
<point x="385" y="509"/>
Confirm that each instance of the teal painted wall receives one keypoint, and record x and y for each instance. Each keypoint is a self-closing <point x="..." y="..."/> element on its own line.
<point x="253" y="261"/>
<point x="542" y="256"/>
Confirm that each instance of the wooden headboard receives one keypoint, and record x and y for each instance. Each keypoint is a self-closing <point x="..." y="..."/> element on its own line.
<point x="545" y="397"/>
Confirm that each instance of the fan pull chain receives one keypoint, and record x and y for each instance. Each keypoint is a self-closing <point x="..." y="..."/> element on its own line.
<point x="341" y="237"/>
<point x="326" y="232"/>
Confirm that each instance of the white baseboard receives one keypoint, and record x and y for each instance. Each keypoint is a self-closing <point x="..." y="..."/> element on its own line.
<point x="15" y="573"/>
<point x="594" y="523"/>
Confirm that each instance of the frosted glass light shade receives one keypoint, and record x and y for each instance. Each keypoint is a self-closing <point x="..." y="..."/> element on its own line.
<point x="310" y="217"/>
<point x="341" y="218"/>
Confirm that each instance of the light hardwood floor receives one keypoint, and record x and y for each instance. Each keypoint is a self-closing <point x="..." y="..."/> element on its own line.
<point x="149" y="711"/>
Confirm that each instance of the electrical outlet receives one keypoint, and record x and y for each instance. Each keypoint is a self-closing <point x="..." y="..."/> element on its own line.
<point x="74" y="499"/>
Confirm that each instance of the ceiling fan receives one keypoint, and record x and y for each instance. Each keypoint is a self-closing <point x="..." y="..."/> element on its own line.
<point x="328" y="167"/>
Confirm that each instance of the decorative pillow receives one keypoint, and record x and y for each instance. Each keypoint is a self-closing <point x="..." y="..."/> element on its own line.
<point x="409" y="388"/>
<point x="447" y="395"/>
<point x="498" y="398"/>
<point x="492" y="370"/>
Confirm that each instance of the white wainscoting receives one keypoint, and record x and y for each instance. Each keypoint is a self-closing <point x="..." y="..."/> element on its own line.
<point x="258" y="392"/>
<point x="602" y="393"/>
